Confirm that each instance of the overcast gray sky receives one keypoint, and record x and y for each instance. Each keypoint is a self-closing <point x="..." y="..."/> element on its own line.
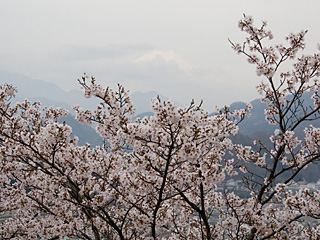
<point x="178" y="48"/>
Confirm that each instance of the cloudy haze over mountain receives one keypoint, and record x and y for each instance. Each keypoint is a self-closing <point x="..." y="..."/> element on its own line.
<point x="177" y="48"/>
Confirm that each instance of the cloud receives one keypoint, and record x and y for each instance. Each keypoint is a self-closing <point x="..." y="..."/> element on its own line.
<point x="93" y="52"/>
<point x="165" y="72"/>
<point x="167" y="56"/>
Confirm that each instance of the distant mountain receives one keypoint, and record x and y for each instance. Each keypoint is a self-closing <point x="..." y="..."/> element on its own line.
<point x="50" y="94"/>
<point x="142" y="100"/>
<point x="257" y="122"/>
<point x="85" y="133"/>
<point x="47" y="93"/>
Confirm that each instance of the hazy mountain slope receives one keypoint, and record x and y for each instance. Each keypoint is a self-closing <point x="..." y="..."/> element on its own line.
<point x="257" y="122"/>
<point x="142" y="101"/>
<point x="45" y="92"/>
<point x="85" y="133"/>
<point x="52" y="95"/>
<point x="49" y="94"/>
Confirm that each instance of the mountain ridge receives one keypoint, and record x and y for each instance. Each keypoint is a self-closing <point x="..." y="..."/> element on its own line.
<point x="251" y="128"/>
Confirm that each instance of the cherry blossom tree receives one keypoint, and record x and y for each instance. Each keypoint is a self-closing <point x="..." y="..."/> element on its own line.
<point x="158" y="177"/>
<point x="276" y="211"/>
<point x="155" y="176"/>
